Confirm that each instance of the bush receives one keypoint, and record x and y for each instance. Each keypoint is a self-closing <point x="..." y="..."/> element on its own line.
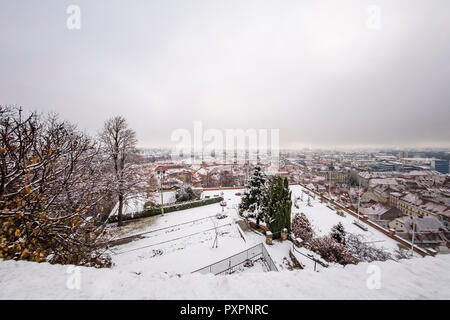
<point x="402" y="254"/>
<point x="301" y="227"/>
<point x="366" y="252"/>
<point x="184" y="194"/>
<point x="332" y="251"/>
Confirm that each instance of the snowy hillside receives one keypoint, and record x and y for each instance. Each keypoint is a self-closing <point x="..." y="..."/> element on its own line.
<point x="418" y="278"/>
<point x="158" y="261"/>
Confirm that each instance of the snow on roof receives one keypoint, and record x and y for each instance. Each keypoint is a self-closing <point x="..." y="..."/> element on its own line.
<point x="412" y="198"/>
<point x="374" y="210"/>
<point x="381" y="190"/>
<point x="383" y="181"/>
<point x="419" y="173"/>
<point x="202" y="172"/>
<point x="434" y="207"/>
<point x="425" y="224"/>
<point x="369" y="175"/>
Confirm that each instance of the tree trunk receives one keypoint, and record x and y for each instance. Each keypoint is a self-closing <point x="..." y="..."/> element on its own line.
<point x="119" y="214"/>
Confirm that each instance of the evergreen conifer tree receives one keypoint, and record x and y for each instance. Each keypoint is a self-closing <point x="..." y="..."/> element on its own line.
<point x="252" y="200"/>
<point x="277" y="205"/>
<point x="338" y="233"/>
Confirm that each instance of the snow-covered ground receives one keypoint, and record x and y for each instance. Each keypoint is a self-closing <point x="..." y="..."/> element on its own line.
<point x="159" y="264"/>
<point x="182" y="241"/>
<point x="418" y="278"/>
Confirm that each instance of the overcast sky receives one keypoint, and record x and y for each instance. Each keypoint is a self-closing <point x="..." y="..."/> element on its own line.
<point x="323" y="72"/>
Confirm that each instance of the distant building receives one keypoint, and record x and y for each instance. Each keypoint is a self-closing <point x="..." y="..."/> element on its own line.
<point x="441" y="166"/>
<point x="412" y="204"/>
<point x="382" y="166"/>
<point x="380" y="212"/>
<point x="424" y="224"/>
<point x="336" y="176"/>
<point x="428" y="232"/>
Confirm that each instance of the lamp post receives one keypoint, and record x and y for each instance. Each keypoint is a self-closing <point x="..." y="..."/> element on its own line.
<point x="359" y="196"/>
<point x="161" y="178"/>
<point x="413" y="236"/>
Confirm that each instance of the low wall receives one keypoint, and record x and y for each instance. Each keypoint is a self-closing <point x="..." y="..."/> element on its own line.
<point x="223" y="188"/>
<point x="253" y="225"/>
<point x="170" y="208"/>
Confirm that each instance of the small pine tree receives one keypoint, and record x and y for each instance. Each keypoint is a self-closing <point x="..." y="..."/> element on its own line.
<point x="338" y="233"/>
<point x="252" y="200"/>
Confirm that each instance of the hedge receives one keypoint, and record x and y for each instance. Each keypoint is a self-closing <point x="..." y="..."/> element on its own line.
<point x="154" y="211"/>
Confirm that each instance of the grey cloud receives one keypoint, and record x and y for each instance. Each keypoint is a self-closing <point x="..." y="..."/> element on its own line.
<point x="310" y="68"/>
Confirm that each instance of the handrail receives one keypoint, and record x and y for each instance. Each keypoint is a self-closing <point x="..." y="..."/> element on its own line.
<point x="236" y="254"/>
<point x="310" y="258"/>
<point x="264" y="253"/>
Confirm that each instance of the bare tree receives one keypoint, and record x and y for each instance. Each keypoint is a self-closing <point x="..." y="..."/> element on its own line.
<point x="50" y="191"/>
<point x="126" y="176"/>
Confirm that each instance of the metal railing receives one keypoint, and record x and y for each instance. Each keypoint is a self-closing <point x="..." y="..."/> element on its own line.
<point x="316" y="262"/>
<point x="228" y="265"/>
<point x="267" y="259"/>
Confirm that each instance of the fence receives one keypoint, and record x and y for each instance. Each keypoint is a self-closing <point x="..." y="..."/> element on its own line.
<point x="228" y="265"/>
